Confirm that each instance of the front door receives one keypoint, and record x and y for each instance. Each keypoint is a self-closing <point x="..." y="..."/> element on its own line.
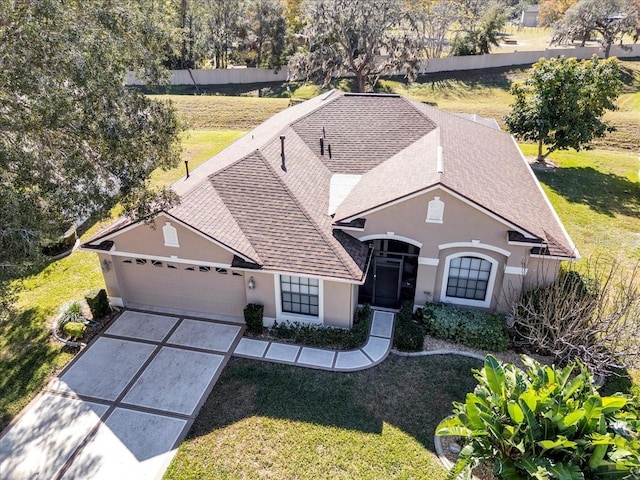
<point x="391" y="278"/>
<point x="386" y="289"/>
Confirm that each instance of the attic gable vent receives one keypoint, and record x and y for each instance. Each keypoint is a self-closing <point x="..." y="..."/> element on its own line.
<point x="170" y="235"/>
<point x="435" y="212"/>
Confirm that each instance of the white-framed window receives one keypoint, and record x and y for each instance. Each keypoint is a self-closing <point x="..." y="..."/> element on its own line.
<point x="468" y="279"/>
<point x="170" y="235"/>
<point x="300" y="295"/>
<point x="435" y="211"/>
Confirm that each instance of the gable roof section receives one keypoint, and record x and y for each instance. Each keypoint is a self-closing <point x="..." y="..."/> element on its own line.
<point x="103" y="240"/>
<point x="203" y="209"/>
<point x="282" y="232"/>
<point x="486" y="166"/>
<point x="413" y="169"/>
<point x="362" y="130"/>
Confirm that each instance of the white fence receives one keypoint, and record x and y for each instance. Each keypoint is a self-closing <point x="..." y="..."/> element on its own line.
<point x="220" y="76"/>
<point x="494" y="60"/>
<point x="449" y="64"/>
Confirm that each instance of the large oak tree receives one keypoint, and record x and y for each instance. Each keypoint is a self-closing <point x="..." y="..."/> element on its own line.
<point x="73" y="139"/>
<point x="364" y="38"/>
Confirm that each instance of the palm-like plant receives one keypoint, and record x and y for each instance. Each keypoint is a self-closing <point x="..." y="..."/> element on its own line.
<point x="545" y="423"/>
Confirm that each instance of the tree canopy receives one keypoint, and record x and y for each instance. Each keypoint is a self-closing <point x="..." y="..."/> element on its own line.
<point x="562" y="102"/>
<point x="73" y="139"/>
<point x="363" y="37"/>
<point x="611" y="20"/>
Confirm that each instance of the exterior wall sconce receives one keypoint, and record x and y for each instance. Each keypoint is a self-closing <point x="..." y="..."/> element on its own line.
<point x="105" y="265"/>
<point x="251" y="284"/>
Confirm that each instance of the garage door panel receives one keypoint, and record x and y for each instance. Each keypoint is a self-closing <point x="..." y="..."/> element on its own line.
<point x="185" y="287"/>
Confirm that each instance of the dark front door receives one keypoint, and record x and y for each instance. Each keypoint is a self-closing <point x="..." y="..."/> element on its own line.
<point x="386" y="290"/>
<point x="391" y="278"/>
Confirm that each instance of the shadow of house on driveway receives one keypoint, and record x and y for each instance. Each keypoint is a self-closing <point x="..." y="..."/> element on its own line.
<point x="605" y="193"/>
<point x="413" y="394"/>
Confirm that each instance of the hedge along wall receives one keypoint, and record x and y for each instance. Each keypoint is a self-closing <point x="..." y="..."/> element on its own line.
<point x="449" y="64"/>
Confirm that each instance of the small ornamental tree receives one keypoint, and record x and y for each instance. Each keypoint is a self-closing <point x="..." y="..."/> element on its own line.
<point x="562" y="102"/>
<point x="544" y="423"/>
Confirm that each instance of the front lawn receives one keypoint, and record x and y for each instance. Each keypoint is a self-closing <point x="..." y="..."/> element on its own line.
<point x="269" y="421"/>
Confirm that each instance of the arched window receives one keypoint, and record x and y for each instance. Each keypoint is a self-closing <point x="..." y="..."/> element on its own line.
<point x="469" y="279"/>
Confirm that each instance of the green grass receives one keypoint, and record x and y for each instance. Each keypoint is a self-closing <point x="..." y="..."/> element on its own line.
<point x="265" y="421"/>
<point x="486" y="93"/>
<point x="27" y="354"/>
<point x="204" y="112"/>
<point x="597" y="195"/>
<point x="198" y="146"/>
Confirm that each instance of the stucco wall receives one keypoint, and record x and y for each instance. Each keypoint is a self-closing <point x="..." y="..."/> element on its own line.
<point x="263" y="294"/>
<point x="145" y="239"/>
<point x="110" y="276"/>
<point x="338" y="304"/>
<point x="479" y="233"/>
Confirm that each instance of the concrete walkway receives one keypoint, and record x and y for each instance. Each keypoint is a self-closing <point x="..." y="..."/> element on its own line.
<point x="373" y="352"/>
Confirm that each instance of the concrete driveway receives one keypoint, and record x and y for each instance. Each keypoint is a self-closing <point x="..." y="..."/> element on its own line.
<point x="122" y="407"/>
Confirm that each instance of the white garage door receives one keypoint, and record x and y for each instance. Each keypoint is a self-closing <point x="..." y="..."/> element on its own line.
<point x="186" y="287"/>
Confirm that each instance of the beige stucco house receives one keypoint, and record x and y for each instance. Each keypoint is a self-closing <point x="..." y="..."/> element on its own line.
<point x="340" y="200"/>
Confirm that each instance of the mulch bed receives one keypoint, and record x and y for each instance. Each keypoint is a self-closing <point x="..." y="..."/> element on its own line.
<point x="91" y="330"/>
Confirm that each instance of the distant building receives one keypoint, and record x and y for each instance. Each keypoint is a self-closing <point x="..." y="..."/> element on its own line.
<point x="529" y="16"/>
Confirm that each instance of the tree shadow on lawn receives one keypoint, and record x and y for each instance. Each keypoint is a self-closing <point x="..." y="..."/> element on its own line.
<point x="605" y="193"/>
<point x="26" y="359"/>
<point x="413" y="394"/>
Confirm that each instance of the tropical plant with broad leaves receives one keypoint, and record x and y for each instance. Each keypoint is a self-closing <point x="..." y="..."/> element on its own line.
<point x="544" y="423"/>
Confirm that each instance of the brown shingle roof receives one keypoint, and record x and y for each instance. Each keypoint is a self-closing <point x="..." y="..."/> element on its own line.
<point x="283" y="233"/>
<point x="279" y="218"/>
<point x="215" y="220"/>
<point x="408" y="171"/>
<point x="362" y="131"/>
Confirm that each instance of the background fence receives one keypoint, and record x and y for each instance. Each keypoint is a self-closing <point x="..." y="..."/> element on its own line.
<point x="448" y="64"/>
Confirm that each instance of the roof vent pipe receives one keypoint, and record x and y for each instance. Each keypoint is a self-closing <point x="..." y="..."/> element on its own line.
<point x="322" y="146"/>
<point x="440" y="162"/>
<point x="329" y="150"/>
<point x="283" y="166"/>
<point x="324" y="134"/>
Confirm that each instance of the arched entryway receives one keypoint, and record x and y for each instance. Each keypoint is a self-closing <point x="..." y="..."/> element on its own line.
<point x="391" y="278"/>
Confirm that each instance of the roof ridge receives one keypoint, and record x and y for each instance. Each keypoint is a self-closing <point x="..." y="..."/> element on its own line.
<point x="340" y="94"/>
<point x="217" y="240"/>
<point x="414" y="104"/>
<point x="305" y="213"/>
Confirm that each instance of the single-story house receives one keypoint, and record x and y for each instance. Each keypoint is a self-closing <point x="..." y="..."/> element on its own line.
<point x="342" y="200"/>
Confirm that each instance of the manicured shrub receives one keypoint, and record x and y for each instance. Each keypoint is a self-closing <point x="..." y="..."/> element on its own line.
<point x="253" y="317"/>
<point x="327" y="337"/>
<point x="409" y="335"/>
<point x="98" y="304"/>
<point x="473" y="328"/>
<point x="544" y="423"/>
<point x="74" y="330"/>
